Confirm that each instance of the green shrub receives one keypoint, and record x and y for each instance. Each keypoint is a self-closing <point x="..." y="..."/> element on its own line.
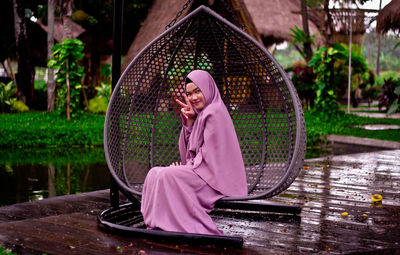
<point x="4" y="251"/>
<point x="322" y="62"/>
<point x="40" y="85"/>
<point x="7" y="96"/>
<point x="390" y="96"/>
<point x="66" y="56"/>
<point x="19" y="106"/>
<point x="303" y="79"/>
<point x="98" y="105"/>
<point x="380" y="79"/>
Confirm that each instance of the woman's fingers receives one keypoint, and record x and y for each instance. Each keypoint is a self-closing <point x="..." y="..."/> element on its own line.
<point x="184" y="113"/>
<point x="186" y="99"/>
<point x="180" y="103"/>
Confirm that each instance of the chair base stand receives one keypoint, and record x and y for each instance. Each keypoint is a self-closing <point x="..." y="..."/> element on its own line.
<point x="127" y="220"/>
<point x="264" y="206"/>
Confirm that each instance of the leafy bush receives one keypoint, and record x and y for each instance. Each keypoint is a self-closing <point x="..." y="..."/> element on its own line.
<point x="8" y="100"/>
<point x="4" y="251"/>
<point x="19" y="106"/>
<point x="98" y="105"/>
<point x="380" y="79"/>
<point x="303" y="79"/>
<point x="40" y="85"/>
<point x="390" y="95"/>
<point x="104" y="90"/>
<point x="7" y="96"/>
<point x="322" y="61"/>
<point x="300" y="40"/>
<point x="361" y="75"/>
<point x="65" y="59"/>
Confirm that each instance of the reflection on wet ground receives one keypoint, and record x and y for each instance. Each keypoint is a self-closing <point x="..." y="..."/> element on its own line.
<point x="379" y="127"/>
<point x="325" y="189"/>
<point x="333" y="149"/>
<point x="35" y="174"/>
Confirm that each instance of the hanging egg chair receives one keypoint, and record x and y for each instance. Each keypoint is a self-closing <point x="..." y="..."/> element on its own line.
<point x="142" y="126"/>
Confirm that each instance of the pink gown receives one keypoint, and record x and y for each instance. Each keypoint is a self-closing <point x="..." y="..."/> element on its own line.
<point x="179" y="198"/>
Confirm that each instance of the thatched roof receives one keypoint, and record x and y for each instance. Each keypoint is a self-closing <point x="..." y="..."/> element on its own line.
<point x="59" y="30"/>
<point x="274" y="18"/>
<point x="159" y="15"/>
<point x="271" y="18"/>
<point x="389" y="18"/>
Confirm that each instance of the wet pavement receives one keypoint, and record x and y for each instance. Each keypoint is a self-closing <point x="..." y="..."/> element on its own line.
<point x="338" y="216"/>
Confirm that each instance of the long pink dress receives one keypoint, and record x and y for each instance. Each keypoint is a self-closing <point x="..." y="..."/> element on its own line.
<point x="179" y="198"/>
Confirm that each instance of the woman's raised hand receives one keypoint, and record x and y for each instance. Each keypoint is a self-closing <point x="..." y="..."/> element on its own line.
<point x="187" y="109"/>
<point x="176" y="164"/>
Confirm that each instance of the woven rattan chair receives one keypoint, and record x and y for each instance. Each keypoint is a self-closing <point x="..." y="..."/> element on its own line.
<point x="142" y="125"/>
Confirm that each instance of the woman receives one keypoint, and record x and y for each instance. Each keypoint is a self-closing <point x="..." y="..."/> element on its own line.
<point x="179" y="197"/>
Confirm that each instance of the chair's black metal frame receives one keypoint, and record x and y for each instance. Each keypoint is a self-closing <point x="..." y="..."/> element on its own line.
<point x="141" y="130"/>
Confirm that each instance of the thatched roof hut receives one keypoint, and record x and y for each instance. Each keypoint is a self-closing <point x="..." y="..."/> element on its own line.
<point x="274" y="18"/>
<point x="267" y="21"/>
<point x="159" y="15"/>
<point x="389" y="18"/>
<point x="59" y="30"/>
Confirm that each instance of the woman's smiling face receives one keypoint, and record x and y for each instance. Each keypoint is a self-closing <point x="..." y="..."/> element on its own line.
<point x="195" y="96"/>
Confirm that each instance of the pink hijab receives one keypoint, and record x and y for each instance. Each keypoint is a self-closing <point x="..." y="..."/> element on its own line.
<point x="212" y="147"/>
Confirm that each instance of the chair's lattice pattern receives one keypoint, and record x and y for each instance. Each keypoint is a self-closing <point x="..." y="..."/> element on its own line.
<point x="142" y="125"/>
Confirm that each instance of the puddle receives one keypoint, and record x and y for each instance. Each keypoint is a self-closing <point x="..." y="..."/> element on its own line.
<point x="379" y="127"/>
<point x="334" y="149"/>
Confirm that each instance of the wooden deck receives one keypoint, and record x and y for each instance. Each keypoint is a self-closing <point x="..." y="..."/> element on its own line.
<point x="325" y="189"/>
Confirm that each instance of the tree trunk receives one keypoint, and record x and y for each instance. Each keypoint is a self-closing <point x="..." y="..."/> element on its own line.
<point x="67" y="7"/>
<point x="26" y="70"/>
<point x="307" y="44"/>
<point x="68" y="95"/>
<point x="51" y="173"/>
<point x="51" y="85"/>
<point x="378" y="55"/>
<point x="67" y="26"/>
<point x="328" y="35"/>
<point x="327" y="29"/>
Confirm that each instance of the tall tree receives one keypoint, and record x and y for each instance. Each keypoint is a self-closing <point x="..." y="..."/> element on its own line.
<point x="378" y="67"/>
<point x="66" y="14"/>
<point x="51" y="85"/>
<point x="307" y="43"/>
<point x="327" y="30"/>
<point x="26" y="71"/>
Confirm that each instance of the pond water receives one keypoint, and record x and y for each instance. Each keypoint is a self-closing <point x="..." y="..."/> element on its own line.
<point x="32" y="174"/>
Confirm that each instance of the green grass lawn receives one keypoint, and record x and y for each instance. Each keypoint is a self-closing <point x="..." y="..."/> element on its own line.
<point x="40" y="129"/>
<point x="346" y="125"/>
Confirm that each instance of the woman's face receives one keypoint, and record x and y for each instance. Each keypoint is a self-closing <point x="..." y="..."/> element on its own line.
<point x="195" y="96"/>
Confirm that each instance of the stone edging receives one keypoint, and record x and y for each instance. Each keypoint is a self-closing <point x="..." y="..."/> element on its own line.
<point x="363" y="141"/>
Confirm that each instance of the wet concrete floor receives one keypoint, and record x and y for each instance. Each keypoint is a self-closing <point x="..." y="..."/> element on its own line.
<point x="326" y="189"/>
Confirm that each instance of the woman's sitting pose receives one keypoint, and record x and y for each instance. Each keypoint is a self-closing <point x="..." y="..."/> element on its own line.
<point x="179" y="197"/>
